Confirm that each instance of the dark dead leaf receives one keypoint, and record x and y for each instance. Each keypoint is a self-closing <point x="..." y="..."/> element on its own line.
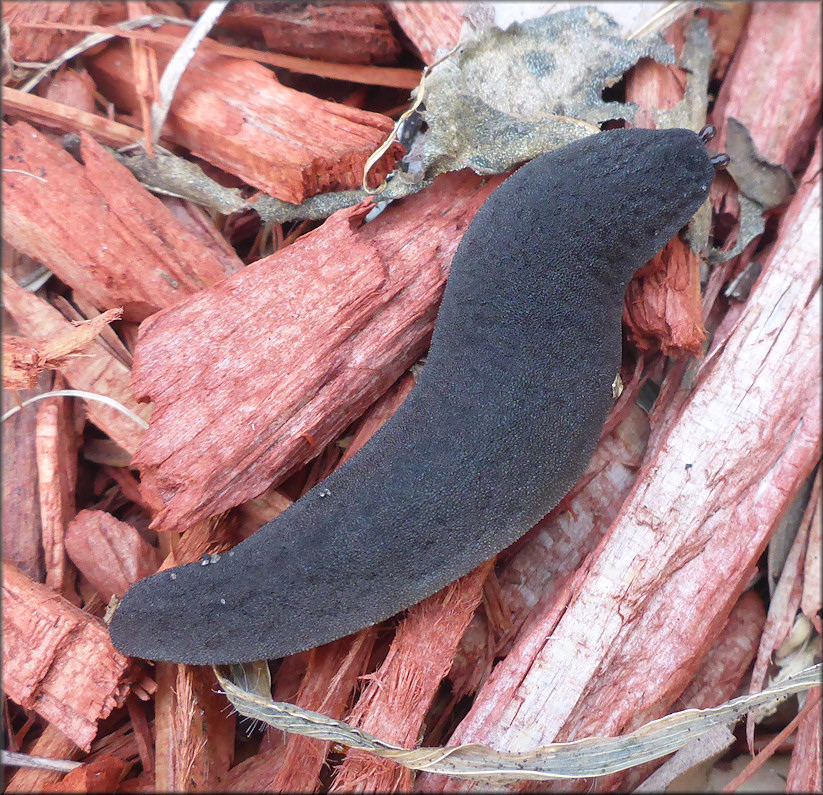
<point x="766" y="183"/>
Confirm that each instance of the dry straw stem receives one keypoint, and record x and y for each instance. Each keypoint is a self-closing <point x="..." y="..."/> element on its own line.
<point x="79" y="393"/>
<point x="592" y="756"/>
<point x="670" y="13"/>
<point x="51" y="114"/>
<point x="97" y="36"/>
<point x="16" y="759"/>
<point x="51" y="744"/>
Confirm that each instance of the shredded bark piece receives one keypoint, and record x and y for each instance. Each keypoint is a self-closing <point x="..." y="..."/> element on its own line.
<point x="114" y="242"/>
<point x="784" y="605"/>
<point x="663" y="308"/>
<point x="325" y="325"/>
<point x="65" y="118"/>
<point x="97" y="372"/>
<point x="432" y="27"/>
<point x="73" y="88"/>
<point x="776" y="98"/>
<point x="726" y="27"/>
<point x="110" y="553"/>
<point x="58" y="660"/>
<point x="663" y="303"/>
<point x="716" y="681"/>
<point x="400" y="692"/>
<point x="22" y="538"/>
<point x="395" y="77"/>
<point x="195" y="735"/>
<point x="101" y="775"/>
<point x="327" y="687"/>
<point x="805" y="766"/>
<point x="25" y="359"/>
<point x="57" y="440"/>
<point x="235" y="114"/>
<point x="44" y="45"/>
<point x="343" y="32"/>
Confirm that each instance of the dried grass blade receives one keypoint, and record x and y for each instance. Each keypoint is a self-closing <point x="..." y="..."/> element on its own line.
<point x="593" y="756"/>
<point x="111" y="402"/>
<point x="179" y="61"/>
<point x="93" y="40"/>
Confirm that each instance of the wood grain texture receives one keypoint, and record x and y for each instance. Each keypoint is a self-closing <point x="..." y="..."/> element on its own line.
<point x="236" y="115"/>
<point x="717" y="680"/>
<point x="805" y="766"/>
<point x="328" y="685"/>
<point x="55" y="116"/>
<point x="776" y="97"/>
<point x="342" y="32"/>
<point x="114" y="242"/>
<point x="19" y="507"/>
<point x="22" y="538"/>
<point x="399" y="694"/>
<point x="111" y="554"/>
<point x="28" y="44"/>
<point x="53" y="744"/>
<point x="58" y="660"/>
<point x="688" y="537"/>
<point x="326" y="326"/>
<point x="25" y="359"/>
<point x="194" y="732"/>
<point x="57" y="441"/>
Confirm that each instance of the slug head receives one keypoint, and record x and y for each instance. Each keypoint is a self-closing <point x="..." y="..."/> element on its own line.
<point x="666" y="177"/>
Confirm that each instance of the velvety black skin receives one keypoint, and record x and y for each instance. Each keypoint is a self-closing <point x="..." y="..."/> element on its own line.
<point x="502" y="423"/>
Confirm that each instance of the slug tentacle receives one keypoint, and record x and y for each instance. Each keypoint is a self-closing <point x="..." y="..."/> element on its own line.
<point x="502" y="423"/>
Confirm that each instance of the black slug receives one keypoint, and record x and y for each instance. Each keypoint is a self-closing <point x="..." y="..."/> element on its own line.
<point x="502" y="423"/>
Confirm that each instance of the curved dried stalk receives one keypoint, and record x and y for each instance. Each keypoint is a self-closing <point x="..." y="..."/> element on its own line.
<point x="593" y="756"/>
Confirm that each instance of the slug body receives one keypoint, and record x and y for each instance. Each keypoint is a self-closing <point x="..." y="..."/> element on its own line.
<point x="502" y="423"/>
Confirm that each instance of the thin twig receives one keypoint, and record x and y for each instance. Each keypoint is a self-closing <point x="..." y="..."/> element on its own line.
<point x="367" y="74"/>
<point x="67" y="118"/>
